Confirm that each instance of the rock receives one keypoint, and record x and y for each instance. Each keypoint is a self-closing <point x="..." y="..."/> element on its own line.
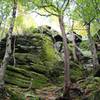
<point x="38" y="64"/>
<point x="76" y="72"/>
<point x="35" y="57"/>
<point x="91" y="88"/>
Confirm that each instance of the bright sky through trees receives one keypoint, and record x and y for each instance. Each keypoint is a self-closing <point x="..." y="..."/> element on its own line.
<point x="53" y="22"/>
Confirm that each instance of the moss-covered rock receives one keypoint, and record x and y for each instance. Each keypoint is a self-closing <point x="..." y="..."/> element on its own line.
<point x="76" y="73"/>
<point x="36" y="59"/>
<point x="23" y="78"/>
<point x="16" y="93"/>
<point x="91" y="88"/>
<point x="27" y="59"/>
<point x="37" y="64"/>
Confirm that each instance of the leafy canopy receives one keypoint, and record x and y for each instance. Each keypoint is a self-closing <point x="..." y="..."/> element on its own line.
<point x="88" y="10"/>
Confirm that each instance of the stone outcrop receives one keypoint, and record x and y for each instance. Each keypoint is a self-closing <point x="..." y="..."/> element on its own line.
<point x="38" y="63"/>
<point x="35" y="61"/>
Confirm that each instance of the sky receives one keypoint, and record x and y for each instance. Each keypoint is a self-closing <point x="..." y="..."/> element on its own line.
<point x="41" y="20"/>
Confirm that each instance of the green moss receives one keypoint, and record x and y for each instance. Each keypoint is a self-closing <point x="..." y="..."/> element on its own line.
<point x="98" y="54"/>
<point x="39" y="83"/>
<point x="35" y="68"/>
<point x="39" y="80"/>
<point x="76" y="74"/>
<point x="17" y="81"/>
<point x="17" y="93"/>
<point x="15" y="74"/>
<point x="91" y="84"/>
<point x="48" y="51"/>
<point x="0" y="60"/>
<point x="61" y="80"/>
<point x="19" y="70"/>
<point x="23" y="78"/>
<point x="84" y="45"/>
<point x="40" y="68"/>
<point x="48" y="54"/>
<point x="97" y="95"/>
<point x="26" y="58"/>
<point x="76" y="71"/>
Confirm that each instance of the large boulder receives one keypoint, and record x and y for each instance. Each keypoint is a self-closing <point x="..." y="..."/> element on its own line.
<point x="37" y="62"/>
<point x="35" y="58"/>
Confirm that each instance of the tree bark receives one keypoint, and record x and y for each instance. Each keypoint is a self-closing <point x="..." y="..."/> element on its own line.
<point x="74" y="43"/>
<point x="8" y="49"/>
<point x="92" y="47"/>
<point x="74" y="47"/>
<point x="66" y="59"/>
<point x="13" y="50"/>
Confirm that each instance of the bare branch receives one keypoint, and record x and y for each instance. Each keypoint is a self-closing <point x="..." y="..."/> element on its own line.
<point x="47" y="15"/>
<point x="50" y="12"/>
<point x="66" y="5"/>
<point x="57" y="5"/>
<point x="53" y="8"/>
<point x="51" y="5"/>
<point x="63" y="4"/>
<point x="91" y="19"/>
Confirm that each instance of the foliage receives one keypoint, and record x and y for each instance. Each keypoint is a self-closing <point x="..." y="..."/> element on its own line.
<point x="23" y="24"/>
<point x="95" y="26"/>
<point x="84" y="45"/>
<point x="5" y="11"/>
<point x="88" y="10"/>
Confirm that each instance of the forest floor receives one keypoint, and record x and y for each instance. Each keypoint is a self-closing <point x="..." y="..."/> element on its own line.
<point x="49" y="93"/>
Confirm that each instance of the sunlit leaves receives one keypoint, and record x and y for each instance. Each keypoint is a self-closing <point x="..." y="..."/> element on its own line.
<point x="23" y="2"/>
<point x="21" y="9"/>
<point x="79" y="28"/>
<point x="95" y="26"/>
<point x="87" y="9"/>
<point x="22" y="23"/>
<point x="54" y="7"/>
<point x="5" y="9"/>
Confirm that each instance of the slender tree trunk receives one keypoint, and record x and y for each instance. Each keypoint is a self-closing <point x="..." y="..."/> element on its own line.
<point x="8" y="49"/>
<point x="13" y="50"/>
<point x="92" y="47"/>
<point x="66" y="59"/>
<point x="74" y="47"/>
<point x="0" y="24"/>
<point x="73" y="42"/>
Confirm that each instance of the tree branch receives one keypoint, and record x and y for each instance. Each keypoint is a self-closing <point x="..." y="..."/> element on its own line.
<point x="50" y="12"/>
<point x="66" y="5"/>
<point x="42" y="14"/>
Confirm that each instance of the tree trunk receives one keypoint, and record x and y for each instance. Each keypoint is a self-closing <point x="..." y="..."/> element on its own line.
<point x="66" y="59"/>
<point x="92" y="47"/>
<point x="74" y="47"/>
<point x="73" y="42"/>
<point x="13" y="50"/>
<point x="8" y="49"/>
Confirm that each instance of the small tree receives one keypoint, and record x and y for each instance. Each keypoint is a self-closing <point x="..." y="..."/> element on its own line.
<point x="58" y="8"/>
<point x="88" y="10"/>
<point x="73" y="42"/>
<point x="8" y="50"/>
